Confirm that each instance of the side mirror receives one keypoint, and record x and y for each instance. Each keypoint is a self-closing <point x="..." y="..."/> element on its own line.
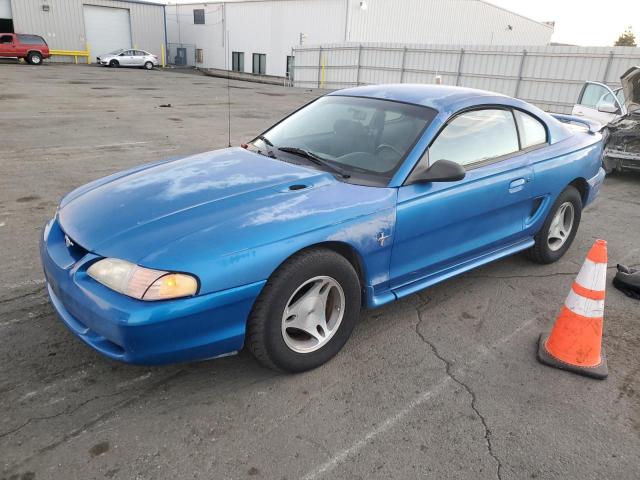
<point x="608" y="108"/>
<point x="441" y="171"/>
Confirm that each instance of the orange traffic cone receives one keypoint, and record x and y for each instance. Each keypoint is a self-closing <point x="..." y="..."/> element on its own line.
<point x="575" y="342"/>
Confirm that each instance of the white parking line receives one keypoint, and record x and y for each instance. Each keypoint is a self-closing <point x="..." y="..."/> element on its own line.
<point x="391" y="421"/>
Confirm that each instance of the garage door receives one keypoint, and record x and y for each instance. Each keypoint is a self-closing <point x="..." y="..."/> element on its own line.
<point x="107" y="29"/>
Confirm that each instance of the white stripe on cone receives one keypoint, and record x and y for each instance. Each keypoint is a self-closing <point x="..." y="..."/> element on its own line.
<point x="592" y="275"/>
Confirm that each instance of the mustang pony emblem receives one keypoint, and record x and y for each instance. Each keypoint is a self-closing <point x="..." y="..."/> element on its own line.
<point x="381" y="238"/>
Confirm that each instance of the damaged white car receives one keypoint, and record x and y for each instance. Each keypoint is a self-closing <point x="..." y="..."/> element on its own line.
<point x="622" y="144"/>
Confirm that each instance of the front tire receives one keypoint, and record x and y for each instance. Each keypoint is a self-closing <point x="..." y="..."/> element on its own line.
<point x="34" y="58"/>
<point x="148" y="65"/>
<point x="559" y="229"/>
<point x="114" y="64"/>
<point x="305" y="313"/>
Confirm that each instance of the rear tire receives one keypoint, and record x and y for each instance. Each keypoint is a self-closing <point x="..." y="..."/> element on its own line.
<point x="34" y="58"/>
<point x="114" y="64"/>
<point x="559" y="229"/>
<point x="270" y="336"/>
<point x="148" y="65"/>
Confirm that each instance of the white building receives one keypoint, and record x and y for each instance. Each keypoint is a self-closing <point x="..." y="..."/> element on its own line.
<point x="256" y="36"/>
<point x="102" y="25"/>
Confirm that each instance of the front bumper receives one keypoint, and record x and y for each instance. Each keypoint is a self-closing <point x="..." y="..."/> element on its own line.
<point x="625" y="160"/>
<point x="136" y="331"/>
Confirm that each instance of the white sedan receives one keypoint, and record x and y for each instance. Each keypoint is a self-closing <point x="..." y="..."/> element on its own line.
<point x="128" y="58"/>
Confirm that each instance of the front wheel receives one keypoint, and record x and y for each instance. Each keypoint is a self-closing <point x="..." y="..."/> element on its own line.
<point x="306" y="312"/>
<point x="34" y="58"/>
<point x="148" y="65"/>
<point x="559" y="229"/>
<point x="114" y="64"/>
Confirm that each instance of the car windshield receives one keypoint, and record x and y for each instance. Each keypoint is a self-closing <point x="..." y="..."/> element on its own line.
<point x="363" y="140"/>
<point x="116" y="52"/>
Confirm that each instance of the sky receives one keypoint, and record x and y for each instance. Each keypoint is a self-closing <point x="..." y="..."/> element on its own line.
<point x="578" y="22"/>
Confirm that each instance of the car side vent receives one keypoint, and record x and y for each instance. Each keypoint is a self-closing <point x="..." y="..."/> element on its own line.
<point x="536" y="205"/>
<point x="297" y="186"/>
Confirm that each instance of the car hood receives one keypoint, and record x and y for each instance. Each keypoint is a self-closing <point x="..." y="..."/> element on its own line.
<point x="631" y="85"/>
<point x="219" y="202"/>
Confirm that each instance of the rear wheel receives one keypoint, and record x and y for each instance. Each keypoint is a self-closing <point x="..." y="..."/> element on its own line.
<point x="34" y="58"/>
<point x="305" y="313"/>
<point x="559" y="229"/>
<point x="114" y="64"/>
<point x="148" y="65"/>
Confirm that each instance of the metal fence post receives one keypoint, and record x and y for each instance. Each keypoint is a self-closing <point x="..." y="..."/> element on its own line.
<point x="524" y="56"/>
<point x="319" y="66"/>
<point x="404" y="58"/>
<point x="459" y="67"/>
<point x="358" y="66"/>
<point x="606" y="70"/>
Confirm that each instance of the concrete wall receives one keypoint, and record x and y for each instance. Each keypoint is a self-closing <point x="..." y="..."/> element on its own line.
<point x="63" y="25"/>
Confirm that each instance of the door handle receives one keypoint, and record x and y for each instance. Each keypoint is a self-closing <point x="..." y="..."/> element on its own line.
<point x="517" y="185"/>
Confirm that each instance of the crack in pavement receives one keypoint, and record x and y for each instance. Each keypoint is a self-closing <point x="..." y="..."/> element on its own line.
<point x="96" y="420"/>
<point x="24" y="295"/>
<point x="450" y="374"/>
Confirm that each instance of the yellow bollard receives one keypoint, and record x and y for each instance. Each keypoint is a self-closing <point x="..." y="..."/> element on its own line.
<point x="162" y="55"/>
<point x="88" y="54"/>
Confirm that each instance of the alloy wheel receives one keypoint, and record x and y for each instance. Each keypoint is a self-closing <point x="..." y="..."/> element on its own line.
<point x="561" y="226"/>
<point x="313" y="314"/>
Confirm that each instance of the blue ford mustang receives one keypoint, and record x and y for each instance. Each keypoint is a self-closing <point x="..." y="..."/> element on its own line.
<point x="361" y="197"/>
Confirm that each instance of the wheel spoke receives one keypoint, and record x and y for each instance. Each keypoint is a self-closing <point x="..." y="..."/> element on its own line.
<point x="306" y="324"/>
<point x="561" y="226"/>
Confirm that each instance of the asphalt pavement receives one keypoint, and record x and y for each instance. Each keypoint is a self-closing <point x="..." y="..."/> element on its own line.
<point x="442" y="384"/>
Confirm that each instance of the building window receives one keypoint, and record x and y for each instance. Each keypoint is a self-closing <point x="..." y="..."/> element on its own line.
<point x="259" y="63"/>
<point x="198" y="16"/>
<point x="237" y="61"/>
<point x="199" y="55"/>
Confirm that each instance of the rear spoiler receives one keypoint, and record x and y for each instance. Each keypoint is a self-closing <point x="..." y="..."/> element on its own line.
<point x="591" y="125"/>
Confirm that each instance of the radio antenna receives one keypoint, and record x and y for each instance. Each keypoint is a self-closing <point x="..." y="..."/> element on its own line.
<point x="228" y="94"/>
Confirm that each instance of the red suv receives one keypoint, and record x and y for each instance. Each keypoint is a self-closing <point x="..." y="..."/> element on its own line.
<point x="32" y="48"/>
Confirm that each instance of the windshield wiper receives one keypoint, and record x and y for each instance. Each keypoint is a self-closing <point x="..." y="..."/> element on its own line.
<point x="301" y="152"/>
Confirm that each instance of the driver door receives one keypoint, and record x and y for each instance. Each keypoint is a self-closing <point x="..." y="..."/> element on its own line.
<point x="442" y="226"/>
<point x="593" y="96"/>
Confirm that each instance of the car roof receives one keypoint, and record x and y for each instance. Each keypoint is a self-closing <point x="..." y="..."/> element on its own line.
<point x="433" y="96"/>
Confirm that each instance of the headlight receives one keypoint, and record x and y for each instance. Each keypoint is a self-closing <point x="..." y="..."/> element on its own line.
<point x="142" y="283"/>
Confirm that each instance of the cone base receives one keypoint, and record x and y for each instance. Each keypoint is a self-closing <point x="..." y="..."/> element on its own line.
<point x="600" y="371"/>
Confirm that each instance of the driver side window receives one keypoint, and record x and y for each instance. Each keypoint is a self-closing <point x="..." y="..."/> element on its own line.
<point x="476" y="136"/>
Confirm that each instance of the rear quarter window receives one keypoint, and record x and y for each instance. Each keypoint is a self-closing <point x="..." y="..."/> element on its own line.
<point x="31" y="40"/>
